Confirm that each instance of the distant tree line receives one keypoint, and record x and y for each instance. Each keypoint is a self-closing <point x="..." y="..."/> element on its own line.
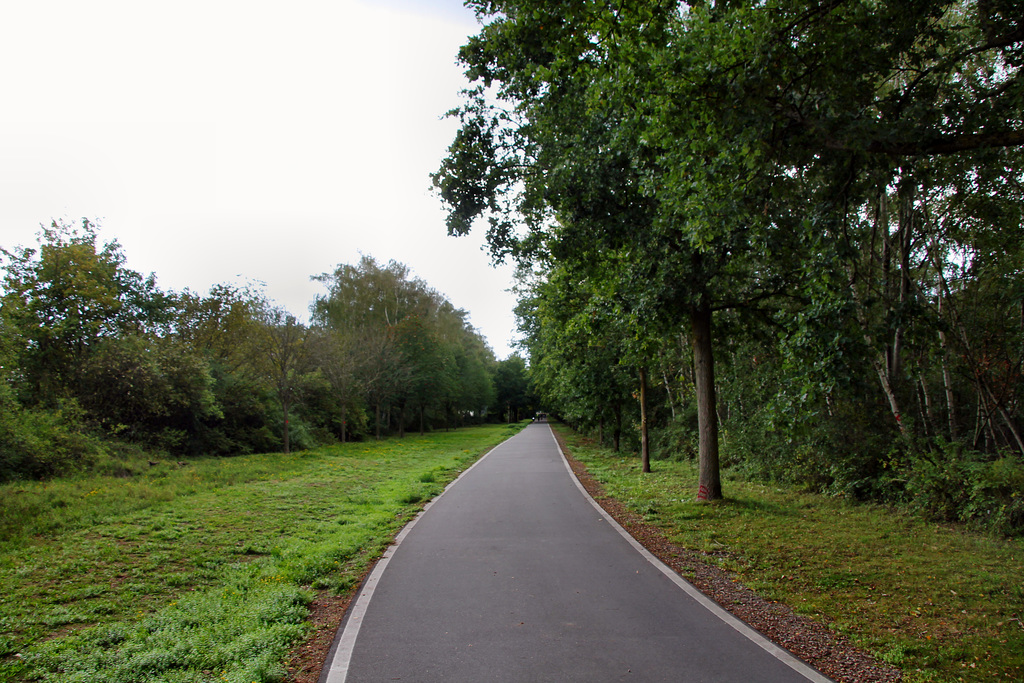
<point x="94" y="354"/>
<point x="785" y="237"/>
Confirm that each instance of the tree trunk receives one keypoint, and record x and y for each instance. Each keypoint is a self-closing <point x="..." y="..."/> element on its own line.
<point x="1007" y="420"/>
<point x="947" y="380"/>
<point x="617" y="431"/>
<point x="344" y="421"/>
<point x="977" y="426"/>
<point x="883" y="360"/>
<point x="668" y="393"/>
<point x="709" y="482"/>
<point x="645" y="443"/>
<point x="906" y="194"/>
<point x="929" y="416"/>
<point x="287" y="442"/>
<point x="890" y="395"/>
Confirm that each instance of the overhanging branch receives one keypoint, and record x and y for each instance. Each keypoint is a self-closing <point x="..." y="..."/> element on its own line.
<point x="946" y="144"/>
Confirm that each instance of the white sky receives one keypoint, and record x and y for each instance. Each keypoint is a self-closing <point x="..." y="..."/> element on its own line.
<point x="225" y="141"/>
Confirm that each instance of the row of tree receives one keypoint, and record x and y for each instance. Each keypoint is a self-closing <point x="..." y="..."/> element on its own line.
<point x="790" y="227"/>
<point x="92" y="352"/>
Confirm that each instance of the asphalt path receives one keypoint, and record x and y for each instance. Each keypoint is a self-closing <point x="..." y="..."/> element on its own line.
<point x="515" y="574"/>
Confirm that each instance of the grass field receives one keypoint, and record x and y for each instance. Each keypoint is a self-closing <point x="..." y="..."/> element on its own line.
<point x="938" y="602"/>
<point x="202" y="570"/>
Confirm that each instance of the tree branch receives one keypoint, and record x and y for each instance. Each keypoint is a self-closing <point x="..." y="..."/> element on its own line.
<point x="946" y="144"/>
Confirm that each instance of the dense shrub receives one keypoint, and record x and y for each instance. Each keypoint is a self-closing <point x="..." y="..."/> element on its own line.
<point x="36" y="443"/>
<point x="678" y="439"/>
<point x="154" y="392"/>
<point x="243" y="423"/>
<point x="954" y="484"/>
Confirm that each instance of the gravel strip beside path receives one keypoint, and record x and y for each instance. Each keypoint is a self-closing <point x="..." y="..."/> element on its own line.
<point x="810" y="640"/>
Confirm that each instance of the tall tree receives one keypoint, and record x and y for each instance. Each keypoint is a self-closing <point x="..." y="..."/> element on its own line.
<point x="282" y="346"/>
<point x="744" y="132"/>
<point x="69" y="294"/>
<point x="339" y="355"/>
<point x="580" y="350"/>
<point x="575" y="145"/>
<point x="415" y="348"/>
<point x="511" y="384"/>
<point x="154" y="391"/>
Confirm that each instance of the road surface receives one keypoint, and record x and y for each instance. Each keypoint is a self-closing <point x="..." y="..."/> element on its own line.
<point x="515" y="574"/>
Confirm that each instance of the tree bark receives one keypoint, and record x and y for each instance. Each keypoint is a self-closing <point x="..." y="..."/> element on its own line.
<point x="947" y="380"/>
<point x="645" y="442"/>
<point x="929" y="414"/>
<point x="890" y="394"/>
<point x="668" y="393"/>
<point x="344" y="420"/>
<point x="904" y="239"/>
<point x="1007" y="419"/>
<point x="287" y="441"/>
<point x="617" y="431"/>
<point x="709" y="482"/>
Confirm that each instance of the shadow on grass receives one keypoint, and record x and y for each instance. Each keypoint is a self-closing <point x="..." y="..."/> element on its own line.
<point x="736" y="507"/>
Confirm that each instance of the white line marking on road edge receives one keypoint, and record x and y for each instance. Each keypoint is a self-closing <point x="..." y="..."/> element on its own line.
<point x="338" y="671"/>
<point x="783" y="655"/>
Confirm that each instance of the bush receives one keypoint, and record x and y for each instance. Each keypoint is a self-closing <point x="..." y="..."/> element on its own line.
<point x="36" y="443"/>
<point x="244" y="422"/>
<point x="954" y="484"/>
<point x="678" y="440"/>
<point x="153" y="392"/>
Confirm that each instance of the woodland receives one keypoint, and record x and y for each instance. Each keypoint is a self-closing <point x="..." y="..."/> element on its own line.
<point x="97" y="361"/>
<point x="782" y="238"/>
<point x="766" y="250"/>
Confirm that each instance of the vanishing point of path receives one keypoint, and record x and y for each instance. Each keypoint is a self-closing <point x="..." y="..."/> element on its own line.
<point x="515" y="575"/>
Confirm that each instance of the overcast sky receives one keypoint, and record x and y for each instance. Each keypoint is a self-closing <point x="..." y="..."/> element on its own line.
<point x="225" y="141"/>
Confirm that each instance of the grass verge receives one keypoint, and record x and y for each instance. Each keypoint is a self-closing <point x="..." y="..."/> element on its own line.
<point x="204" y="570"/>
<point x="940" y="603"/>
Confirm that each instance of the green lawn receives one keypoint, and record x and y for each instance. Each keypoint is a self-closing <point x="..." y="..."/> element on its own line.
<point x="938" y="602"/>
<point x="204" y="570"/>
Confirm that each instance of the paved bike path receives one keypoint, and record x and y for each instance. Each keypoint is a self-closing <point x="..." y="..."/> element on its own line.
<point x="514" y="574"/>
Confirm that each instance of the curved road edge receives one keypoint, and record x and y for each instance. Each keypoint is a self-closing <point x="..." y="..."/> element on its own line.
<point x="339" y="656"/>
<point x="780" y="653"/>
